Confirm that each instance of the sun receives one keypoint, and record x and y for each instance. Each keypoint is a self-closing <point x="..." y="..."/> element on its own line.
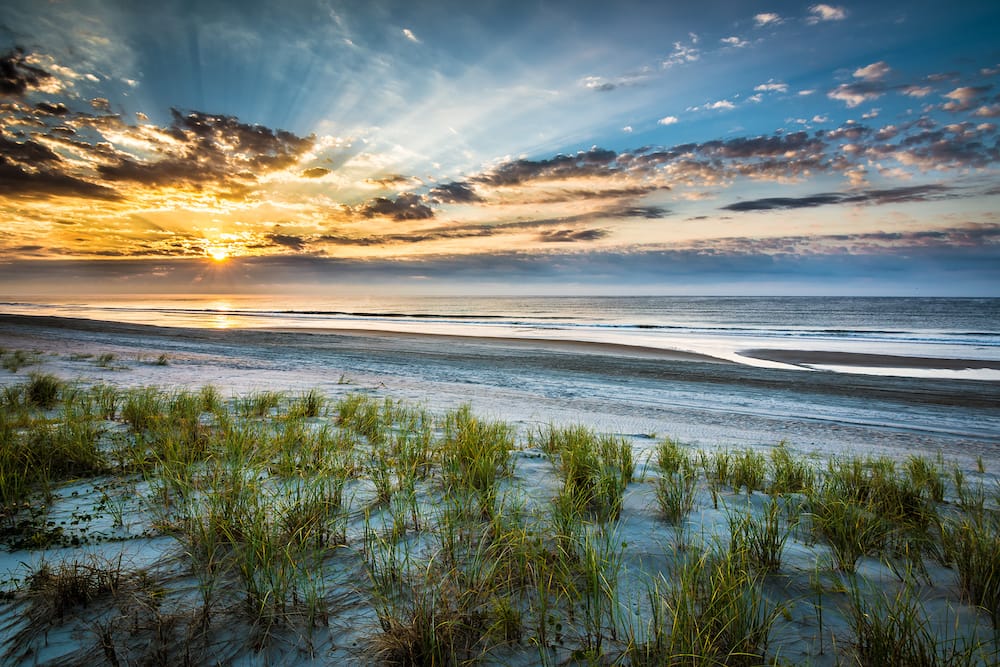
<point x="218" y="254"/>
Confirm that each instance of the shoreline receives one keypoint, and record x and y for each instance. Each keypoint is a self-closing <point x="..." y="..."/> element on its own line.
<point x="803" y="359"/>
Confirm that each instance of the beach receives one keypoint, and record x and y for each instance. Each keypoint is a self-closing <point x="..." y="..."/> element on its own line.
<point x="352" y="592"/>
<point x="613" y="388"/>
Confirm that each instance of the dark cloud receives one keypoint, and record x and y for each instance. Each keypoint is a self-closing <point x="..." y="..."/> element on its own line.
<point x="288" y="241"/>
<point x="571" y="235"/>
<point x="759" y="147"/>
<point x="26" y="153"/>
<point x="29" y="170"/>
<point x="779" y="203"/>
<point x="17" y="75"/>
<point x="211" y="149"/>
<point x="19" y="183"/>
<point x="406" y="206"/>
<point x="886" y="196"/>
<point x="648" y="212"/>
<point x="456" y="192"/>
<point x="315" y="172"/>
<point x="261" y="147"/>
<point x="52" y="109"/>
<point x="594" y="162"/>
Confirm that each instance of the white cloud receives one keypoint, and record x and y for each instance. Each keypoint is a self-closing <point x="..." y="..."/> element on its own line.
<point x="766" y="18"/>
<point x="734" y="42"/>
<point x="755" y="98"/>
<point x="682" y="54"/>
<point x="853" y="95"/>
<point x="410" y="36"/>
<point x="720" y="104"/>
<point x="874" y="72"/>
<point x="806" y="92"/>
<point x="627" y="129"/>
<point x="667" y="120"/>
<point x="991" y="111"/>
<point x="821" y="119"/>
<point x="871" y="114"/>
<point x="826" y="13"/>
<point x="772" y="86"/>
<point x="918" y="91"/>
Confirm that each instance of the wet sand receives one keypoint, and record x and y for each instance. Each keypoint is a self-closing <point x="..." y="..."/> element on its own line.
<point x="811" y="358"/>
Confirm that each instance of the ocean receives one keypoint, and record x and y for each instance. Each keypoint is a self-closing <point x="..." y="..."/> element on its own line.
<point x="893" y="336"/>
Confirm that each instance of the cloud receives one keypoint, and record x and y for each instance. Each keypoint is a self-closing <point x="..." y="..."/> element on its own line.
<point x="202" y="148"/>
<point x="315" y="172"/>
<point x="48" y="108"/>
<point x="712" y="106"/>
<point x="916" y="91"/>
<point x="853" y="94"/>
<point x="456" y="192"/>
<point x="772" y="86"/>
<point x="667" y="120"/>
<point x="918" y="193"/>
<point x="647" y="212"/>
<point x="582" y="164"/>
<point x="874" y="72"/>
<point x="407" y="206"/>
<point x="766" y="18"/>
<point x="571" y="235"/>
<point x="987" y="111"/>
<point x="288" y="241"/>
<point x="18" y="75"/>
<point x="602" y="85"/>
<point x="734" y="42"/>
<point x="408" y="34"/>
<point x="30" y="170"/>
<point x="17" y="182"/>
<point x="599" y="84"/>
<point x="964" y="98"/>
<point x="389" y="180"/>
<point x="682" y="53"/>
<point x="823" y="12"/>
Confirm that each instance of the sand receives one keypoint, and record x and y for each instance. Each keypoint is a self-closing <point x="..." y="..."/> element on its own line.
<point x="638" y="394"/>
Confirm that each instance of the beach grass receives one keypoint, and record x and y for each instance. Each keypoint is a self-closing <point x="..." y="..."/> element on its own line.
<point x="285" y="520"/>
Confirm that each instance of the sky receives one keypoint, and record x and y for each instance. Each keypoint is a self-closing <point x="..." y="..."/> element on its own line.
<point x="711" y="147"/>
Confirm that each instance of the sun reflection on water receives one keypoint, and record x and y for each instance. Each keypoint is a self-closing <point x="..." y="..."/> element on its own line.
<point x="221" y="319"/>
